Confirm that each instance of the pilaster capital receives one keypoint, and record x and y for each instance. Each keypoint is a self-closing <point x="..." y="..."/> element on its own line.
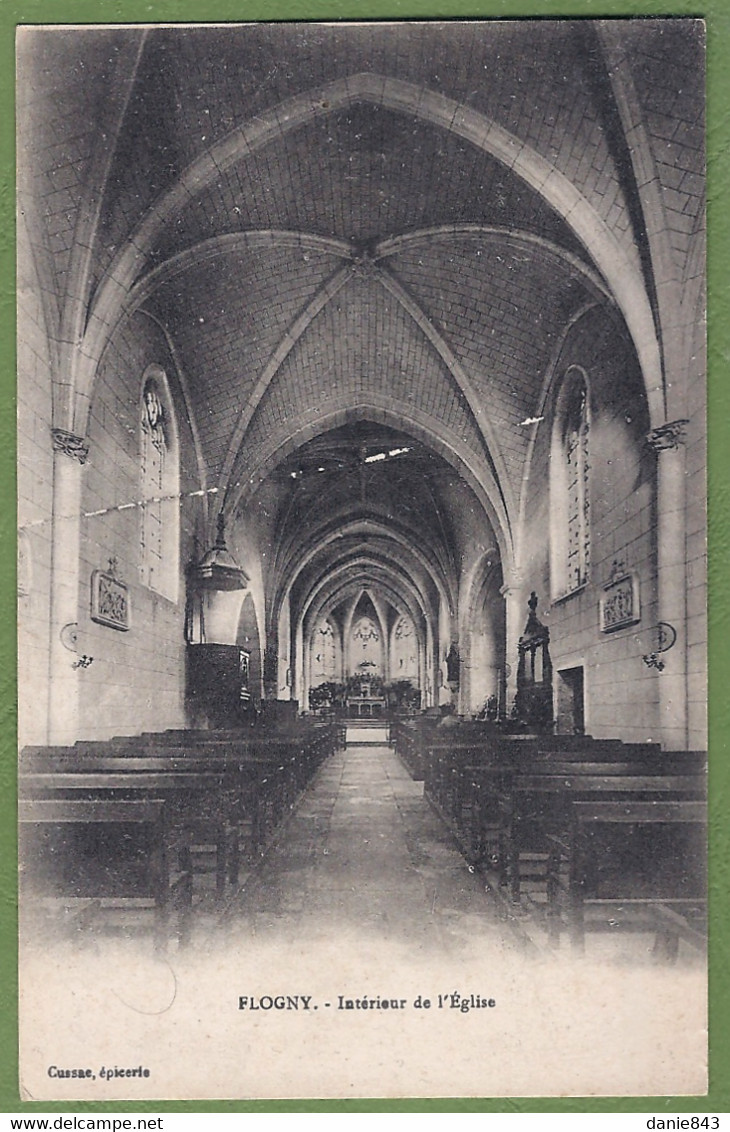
<point x="71" y="445"/>
<point x="668" y="436"/>
<point x="513" y="584"/>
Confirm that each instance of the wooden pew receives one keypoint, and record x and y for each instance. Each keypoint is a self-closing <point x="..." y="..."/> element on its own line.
<point x="301" y="752"/>
<point x="537" y="806"/>
<point x="445" y="751"/>
<point x="623" y="857"/>
<point x="135" y="867"/>
<point x="442" y="760"/>
<point x="464" y="780"/>
<point x="264" y="776"/>
<point x="461" y="774"/>
<point x="209" y="803"/>
<point x="408" y="736"/>
<point x="280" y="765"/>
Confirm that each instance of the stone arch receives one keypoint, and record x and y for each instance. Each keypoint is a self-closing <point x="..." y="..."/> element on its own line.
<point x="402" y="669"/>
<point x="436" y="341"/>
<point x="437" y="109"/>
<point x="249" y="638"/>
<point x="648" y="191"/>
<point x="330" y="661"/>
<point x="378" y="522"/>
<point x="339" y="410"/>
<point x="389" y="538"/>
<point x="346" y="583"/>
<point x="76" y="301"/>
<point x="350" y="622"/>
<point x="540" y="418"/>
<point x="390" y="246"/>
<point x="189" y="417"/>
<point x="483" y="636"/>
<point x="323" y="598"/>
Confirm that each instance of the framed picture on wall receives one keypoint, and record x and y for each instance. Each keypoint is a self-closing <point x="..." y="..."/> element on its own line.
<point x="619" y="603"/>
<point x="110" y="601"/>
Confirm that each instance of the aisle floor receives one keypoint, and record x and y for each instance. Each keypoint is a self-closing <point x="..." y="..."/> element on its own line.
<point x="365" y="852"/>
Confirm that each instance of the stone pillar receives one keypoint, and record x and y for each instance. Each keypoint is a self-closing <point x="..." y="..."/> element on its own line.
<point x="69" y="455"/>
<point x="384" y="648"/>
<point x="285" y="674"/>
<point x="668" y="443"/>
<point x="443" y="693"/>
<point x="466" y="654"/>
<point x="428" y="689"/>
<point x="422" y="646"/>
<point x="511" y="591"/>
<point x="300" y="674"/>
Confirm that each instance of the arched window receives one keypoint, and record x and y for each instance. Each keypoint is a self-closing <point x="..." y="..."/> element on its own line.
<point x="159" y="482"/>
<point x="366" y="649"/>
<point x="324" y="653"/>
<point x="404" y="650"/>
<point x="569" y="487"/>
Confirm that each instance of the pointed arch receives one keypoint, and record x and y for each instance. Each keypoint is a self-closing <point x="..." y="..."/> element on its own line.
<point x="339" y="410"/>
<point x="556" y="189"/>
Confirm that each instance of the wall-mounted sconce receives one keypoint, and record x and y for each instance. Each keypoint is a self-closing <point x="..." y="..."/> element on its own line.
<point x="666" y="637"/>
<point x="69" y="636"/>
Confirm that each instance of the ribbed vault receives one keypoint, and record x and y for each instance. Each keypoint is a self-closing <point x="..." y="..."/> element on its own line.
<point x="365" y="506"/>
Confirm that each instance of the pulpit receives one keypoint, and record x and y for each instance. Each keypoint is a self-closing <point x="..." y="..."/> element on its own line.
<point x="218" y="693"/>
<point x="217" y="669"/>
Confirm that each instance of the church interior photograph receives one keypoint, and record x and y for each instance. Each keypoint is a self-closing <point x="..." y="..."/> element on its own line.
<point x="361" y="474"/>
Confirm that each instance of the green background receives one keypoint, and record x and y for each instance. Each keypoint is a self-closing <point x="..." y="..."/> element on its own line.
<point x="717" y="15"/>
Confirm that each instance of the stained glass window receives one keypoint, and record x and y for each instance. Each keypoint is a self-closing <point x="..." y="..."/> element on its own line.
<point x="159" y="481"/>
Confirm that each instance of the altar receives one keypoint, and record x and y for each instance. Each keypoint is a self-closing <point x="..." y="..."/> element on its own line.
<point x="365" y="707"/>
<point x="365" y="703"/>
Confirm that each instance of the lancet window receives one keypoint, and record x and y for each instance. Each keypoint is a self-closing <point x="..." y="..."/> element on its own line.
<point x="159" y="483"/>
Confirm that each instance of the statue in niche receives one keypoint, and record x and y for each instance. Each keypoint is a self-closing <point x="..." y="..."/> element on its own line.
<point x="453" y="665"/>
<point x="153" y="414"/>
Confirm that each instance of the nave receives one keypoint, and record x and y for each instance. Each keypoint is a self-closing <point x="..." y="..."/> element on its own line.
<point x="365" y="855"/>
<point x="311" y="837"/>
<point x="360" y="853"/>
<point x="369" y="853"/>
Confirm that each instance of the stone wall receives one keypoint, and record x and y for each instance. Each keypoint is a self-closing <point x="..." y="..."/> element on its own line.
<point x="137" y="678"/>
<point x="621" y="693"/>
<point x="35" y="507"/>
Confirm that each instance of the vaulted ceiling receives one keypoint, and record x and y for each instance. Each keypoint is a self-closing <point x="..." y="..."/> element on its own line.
<point x="351" y="227"/>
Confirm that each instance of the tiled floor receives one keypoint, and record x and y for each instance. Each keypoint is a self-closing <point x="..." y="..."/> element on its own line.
<point x="364" y="852"/>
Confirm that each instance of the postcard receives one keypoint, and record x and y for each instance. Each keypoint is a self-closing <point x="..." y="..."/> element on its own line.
<point x="362" y="559"/>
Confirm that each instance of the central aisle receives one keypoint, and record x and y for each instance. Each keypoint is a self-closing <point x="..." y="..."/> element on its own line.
<point x="364" y="853"/>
